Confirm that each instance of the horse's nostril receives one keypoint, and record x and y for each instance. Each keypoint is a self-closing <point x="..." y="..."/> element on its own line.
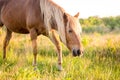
<point x="78" y="52"/>
<point x="74" y="53"/>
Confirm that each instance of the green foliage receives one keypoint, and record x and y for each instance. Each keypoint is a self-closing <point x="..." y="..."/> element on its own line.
<point x="110" y="22"/>
<point x="101" y="25"/>
<point x="91" y="21"/>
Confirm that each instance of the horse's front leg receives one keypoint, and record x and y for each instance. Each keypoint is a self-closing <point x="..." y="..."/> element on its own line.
<point x="56" y="41"/>
<point x="33" y="36"/>
<point x="6" y="42"/>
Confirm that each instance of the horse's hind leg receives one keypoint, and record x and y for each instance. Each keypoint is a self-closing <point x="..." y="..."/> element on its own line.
<point x="33" y="36"/>
<point x="6" y="42"/>
<point x="56" y="41"/>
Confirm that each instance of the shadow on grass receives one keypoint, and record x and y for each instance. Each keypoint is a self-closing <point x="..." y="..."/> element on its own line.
<point x="52" y="52"/>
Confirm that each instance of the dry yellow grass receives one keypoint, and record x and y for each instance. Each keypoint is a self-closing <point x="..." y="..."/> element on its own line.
<point x="100" y="60"/>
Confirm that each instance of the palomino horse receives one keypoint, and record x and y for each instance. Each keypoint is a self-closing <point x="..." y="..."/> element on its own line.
<point x="37" y="17"/>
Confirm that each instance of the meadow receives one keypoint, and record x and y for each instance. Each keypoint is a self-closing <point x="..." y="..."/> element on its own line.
<point x="101" y="59"/>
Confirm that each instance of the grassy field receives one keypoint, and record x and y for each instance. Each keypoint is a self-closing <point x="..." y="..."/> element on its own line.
<point x="101" y="59"/>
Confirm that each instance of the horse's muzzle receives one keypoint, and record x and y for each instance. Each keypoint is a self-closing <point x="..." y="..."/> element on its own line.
<point x="76" y="52"/>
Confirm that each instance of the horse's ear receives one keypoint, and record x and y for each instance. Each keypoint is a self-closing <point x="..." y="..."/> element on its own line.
<point x="65" y="18"/>
<point x="77" y="15"/>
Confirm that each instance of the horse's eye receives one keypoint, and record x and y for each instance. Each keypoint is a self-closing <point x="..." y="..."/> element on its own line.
<point x="70" y="31"/>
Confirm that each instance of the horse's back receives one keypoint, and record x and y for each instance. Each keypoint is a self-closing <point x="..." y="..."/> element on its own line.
<point x="21" y="16"/>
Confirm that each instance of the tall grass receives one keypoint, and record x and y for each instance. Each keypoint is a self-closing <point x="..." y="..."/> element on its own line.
<point x="101" y="59"/>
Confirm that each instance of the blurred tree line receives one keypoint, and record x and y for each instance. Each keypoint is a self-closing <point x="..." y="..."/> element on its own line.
<point x="102" y="25"/>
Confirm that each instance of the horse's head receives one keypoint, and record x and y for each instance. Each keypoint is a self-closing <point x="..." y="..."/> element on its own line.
<point x="72" y="33"/>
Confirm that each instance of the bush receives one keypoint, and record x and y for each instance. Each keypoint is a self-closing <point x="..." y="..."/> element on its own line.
<point x="100" y="25"/>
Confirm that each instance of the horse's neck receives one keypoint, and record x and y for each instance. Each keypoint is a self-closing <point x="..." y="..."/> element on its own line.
<point x="50" y="10"/>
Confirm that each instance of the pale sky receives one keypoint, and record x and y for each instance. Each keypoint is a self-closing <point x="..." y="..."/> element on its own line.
<point x="89" y="8"/>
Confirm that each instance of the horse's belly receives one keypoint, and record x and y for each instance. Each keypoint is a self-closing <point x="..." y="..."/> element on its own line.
<point x="18" y="29"/>
<point x="21" y="30"/>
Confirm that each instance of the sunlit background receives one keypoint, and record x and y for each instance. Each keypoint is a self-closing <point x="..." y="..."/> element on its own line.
<point x="87" y="8"/>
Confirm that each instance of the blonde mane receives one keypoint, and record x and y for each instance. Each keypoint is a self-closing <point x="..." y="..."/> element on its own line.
<point x="52" y="12"/>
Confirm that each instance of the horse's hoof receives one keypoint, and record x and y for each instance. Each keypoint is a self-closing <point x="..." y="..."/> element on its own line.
<point x="35" y="68"/>
<point x="60" y="68"/>
<point x="34" y="64"/>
